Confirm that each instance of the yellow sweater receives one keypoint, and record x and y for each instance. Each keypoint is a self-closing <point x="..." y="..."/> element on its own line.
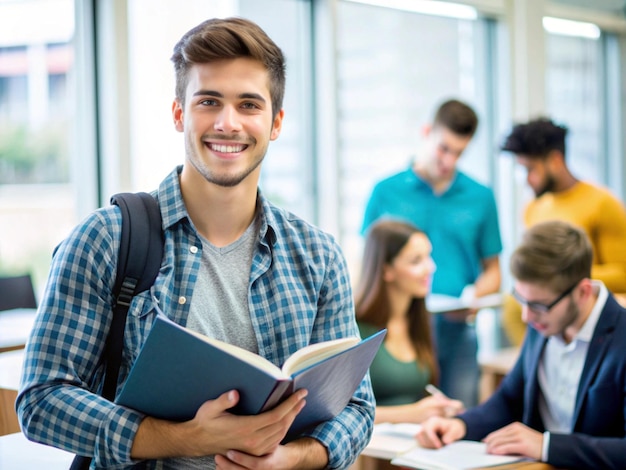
<point x="602" y="216"/>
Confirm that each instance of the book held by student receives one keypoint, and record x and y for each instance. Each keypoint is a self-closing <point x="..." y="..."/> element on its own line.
<point x="177" y="370"/>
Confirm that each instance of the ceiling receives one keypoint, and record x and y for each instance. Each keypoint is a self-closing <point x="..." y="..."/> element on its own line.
<point x="609" y="6"/>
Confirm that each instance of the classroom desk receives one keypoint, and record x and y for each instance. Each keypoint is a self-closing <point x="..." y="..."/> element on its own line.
<point x="17" y="453"/>
<point x="493" y="368"/>
<point x="15" y="326"/>
<point x="10" y="371"/>
<point x="384" y="446"/>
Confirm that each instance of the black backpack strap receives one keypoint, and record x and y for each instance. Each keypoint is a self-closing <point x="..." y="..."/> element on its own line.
<point x="139" y="260"/>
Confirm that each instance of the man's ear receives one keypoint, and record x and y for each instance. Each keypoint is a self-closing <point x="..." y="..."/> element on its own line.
<point x="277" y="125"/>
<point x="178" y="115"/>
<point x="426" y="129"/>
<point x="555" y="157"/>
<point x="585" y="288"/>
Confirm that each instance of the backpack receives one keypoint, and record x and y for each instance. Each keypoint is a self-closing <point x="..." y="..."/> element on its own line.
<point x="139" y="260"/>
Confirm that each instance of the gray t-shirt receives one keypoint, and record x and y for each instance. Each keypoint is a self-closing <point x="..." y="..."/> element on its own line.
<point x="219" y="308"/>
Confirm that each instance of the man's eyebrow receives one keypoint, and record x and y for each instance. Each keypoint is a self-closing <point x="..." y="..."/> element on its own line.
<point x="217" y="94"/>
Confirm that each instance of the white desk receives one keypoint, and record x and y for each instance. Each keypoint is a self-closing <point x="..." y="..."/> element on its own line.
<point x="15" y="326"/>
<point x="10" y="372"/>
<point x="17" y="453"/>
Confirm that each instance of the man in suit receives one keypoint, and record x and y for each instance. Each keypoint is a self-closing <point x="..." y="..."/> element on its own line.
<point x="564" y="402"/>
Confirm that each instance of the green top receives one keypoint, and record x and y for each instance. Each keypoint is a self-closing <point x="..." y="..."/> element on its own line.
<point x="395" y="382"/>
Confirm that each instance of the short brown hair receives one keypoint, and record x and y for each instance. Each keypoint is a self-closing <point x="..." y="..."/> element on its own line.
<point x="229" y="38"/>
<point x="554" y="253"/>
<point x="457" y="116"/>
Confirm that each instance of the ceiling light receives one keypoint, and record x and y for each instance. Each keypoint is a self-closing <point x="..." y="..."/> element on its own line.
<point x="426" y="7"/>
<point x="571" y="28"/>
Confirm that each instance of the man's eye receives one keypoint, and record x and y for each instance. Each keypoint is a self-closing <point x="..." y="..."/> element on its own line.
<point x="208" y="102"/>
<point x="249" y="106"/>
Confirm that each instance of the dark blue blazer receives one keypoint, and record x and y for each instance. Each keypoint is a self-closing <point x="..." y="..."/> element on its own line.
<point x="598" y="440"/>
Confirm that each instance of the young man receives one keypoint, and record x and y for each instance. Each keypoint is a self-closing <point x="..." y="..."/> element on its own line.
<point x="460" y="218"/>
<point x="564" y="402"/>
<point x="235" y="267"/>
<point x="539" y="146"/>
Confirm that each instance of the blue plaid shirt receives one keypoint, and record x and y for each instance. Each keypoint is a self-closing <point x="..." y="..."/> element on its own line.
<point x="299" y="294"/>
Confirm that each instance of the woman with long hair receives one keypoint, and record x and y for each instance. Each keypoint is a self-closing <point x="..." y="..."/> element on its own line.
<point x="395" y="278"/>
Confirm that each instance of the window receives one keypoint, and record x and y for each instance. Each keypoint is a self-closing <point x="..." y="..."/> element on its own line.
<point x="390" y="80"/>
<point x="574" y="79"/>
<point x="156" y="147"/>
<point x="37" y="206"/>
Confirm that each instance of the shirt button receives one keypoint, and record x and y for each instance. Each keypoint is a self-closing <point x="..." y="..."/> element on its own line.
<point x="193" y="249"/>
<point x="182" y="300"/>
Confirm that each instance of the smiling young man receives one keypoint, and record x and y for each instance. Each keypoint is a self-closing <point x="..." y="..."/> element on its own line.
<point x="564" y="402"/>
<point x="460" y="217"/>
<point x="235" y="267"/>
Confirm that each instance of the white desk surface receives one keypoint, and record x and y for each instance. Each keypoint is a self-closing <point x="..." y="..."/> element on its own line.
<point x="11" y="369"/>
<point x="15" y="326"/>
<point x="17" y="453"/>
<point x="390" y="440"/>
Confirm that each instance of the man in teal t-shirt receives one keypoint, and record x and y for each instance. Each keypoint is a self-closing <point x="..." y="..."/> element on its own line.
<point x="460" y="217"/>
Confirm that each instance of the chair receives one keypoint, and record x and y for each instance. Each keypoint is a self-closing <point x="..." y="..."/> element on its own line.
<point x="17" y="292"/>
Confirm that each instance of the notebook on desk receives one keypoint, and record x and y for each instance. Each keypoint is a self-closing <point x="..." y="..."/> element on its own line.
<point x="459" y="455"/>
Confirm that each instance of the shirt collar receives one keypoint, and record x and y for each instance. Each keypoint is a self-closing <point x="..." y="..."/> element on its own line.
<point x="586" y="332"/>
<point x="173" y="208"/>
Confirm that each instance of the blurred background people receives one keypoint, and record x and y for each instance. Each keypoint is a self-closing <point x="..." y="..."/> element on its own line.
<point x="395" y="278"/>
<point x="460" y="218"/>
<point x="539" y="146"/>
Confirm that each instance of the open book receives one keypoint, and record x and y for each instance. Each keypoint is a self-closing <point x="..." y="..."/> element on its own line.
<point x="439" y="303"/>
<point x="459" y="455"/>
<point x="177" y="370"/>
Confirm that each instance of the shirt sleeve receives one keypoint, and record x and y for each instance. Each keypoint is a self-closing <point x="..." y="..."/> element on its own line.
<point x="57" y="403"/>
<point x="545" y="446"/>
<point x="610" y="250"/>
<point x="348" y="433"/>
<point x="491" y="243"/>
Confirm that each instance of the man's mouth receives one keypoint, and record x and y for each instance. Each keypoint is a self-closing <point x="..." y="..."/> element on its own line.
<point x="226" y="148"/>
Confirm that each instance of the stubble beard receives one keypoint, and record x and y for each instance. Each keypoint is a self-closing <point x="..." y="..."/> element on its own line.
<point x="548" y="186"/>
<point x="225" y="180"/>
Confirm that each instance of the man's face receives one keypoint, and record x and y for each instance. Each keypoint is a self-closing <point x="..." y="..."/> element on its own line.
<point x="441" y="154"/>
<point x="227" y="119"/>
<point x="557" y="319"/>
<point x="538" y="174"/>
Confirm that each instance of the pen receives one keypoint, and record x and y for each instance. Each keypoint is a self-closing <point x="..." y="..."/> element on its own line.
<point x="430" y="388"/>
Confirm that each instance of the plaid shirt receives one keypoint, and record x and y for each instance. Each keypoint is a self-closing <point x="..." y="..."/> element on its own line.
<point x="299" y="294"/>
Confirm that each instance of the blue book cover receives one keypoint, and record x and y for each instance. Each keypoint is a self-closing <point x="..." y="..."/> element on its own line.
<point x="177" y="370"/>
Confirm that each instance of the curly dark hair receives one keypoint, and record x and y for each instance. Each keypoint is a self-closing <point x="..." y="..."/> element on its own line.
<point x="536" y="138"/>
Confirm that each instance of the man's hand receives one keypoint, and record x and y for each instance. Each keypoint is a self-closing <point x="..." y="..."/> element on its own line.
<point x="437" y="432"/>
<point x="516" y="439"/>
<point x="216" y="431"/>
<point x="302" y="454"/>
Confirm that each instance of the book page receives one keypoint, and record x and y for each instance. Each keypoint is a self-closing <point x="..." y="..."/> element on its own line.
<point x="456" y="456"/>
<point x="314" y="353"/>
<point x="243" y="354"/>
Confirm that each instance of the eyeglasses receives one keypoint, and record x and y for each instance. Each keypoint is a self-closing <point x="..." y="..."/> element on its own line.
<point x="540" y="308"/>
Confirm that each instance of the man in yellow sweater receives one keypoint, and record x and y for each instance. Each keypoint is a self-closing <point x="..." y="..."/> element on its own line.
<point x="539" y="146"/>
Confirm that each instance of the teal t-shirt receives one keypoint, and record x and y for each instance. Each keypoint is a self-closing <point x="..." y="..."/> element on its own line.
<point x="394" y="382"/>
<point x="461" y="223"/>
